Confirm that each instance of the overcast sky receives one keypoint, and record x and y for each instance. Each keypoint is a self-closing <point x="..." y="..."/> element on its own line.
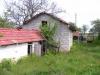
<point x="87" y="10"/>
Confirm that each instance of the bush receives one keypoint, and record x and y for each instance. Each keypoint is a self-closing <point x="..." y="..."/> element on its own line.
<point x="97" y="42"/>
<point x="49" y="31"/>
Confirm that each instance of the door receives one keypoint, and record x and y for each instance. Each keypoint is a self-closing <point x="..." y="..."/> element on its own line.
<point x="43" y="48"/>
<point x="29" y="48"/>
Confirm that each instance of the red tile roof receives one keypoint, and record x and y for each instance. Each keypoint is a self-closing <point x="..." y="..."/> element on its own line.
<point x="13" y="36"/>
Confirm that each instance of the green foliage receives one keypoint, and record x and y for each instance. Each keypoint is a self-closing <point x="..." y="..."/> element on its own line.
<point x="84" y="29"/>
<point x="49" y="31"/>
<point x="72" y="26"/>
<point x="96" y="24"/>
<point x="96" y="27"/>
<point x="84" y="59"/>
<point x="4" y="23"/>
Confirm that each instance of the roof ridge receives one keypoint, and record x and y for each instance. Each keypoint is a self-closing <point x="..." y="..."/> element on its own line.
<point x="58" y="18"/>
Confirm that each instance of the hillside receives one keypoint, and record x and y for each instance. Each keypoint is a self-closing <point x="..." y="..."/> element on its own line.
<point x="84" y="59"/>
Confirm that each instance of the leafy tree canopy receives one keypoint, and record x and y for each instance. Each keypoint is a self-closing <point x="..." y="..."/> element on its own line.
<point x="96" y="25"/>
<point x="84" y="29"/>
<point x="73" y="27"/>
<point x="49" y="31"/>
<point x="4" y="23"/>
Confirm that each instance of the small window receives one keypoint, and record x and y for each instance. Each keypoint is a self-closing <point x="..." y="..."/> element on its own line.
<point x="44" y="23"/>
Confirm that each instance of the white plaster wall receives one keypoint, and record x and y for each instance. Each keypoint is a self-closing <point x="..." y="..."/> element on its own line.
<point x="64" y="35"/>
<point x="13" y="51"/>
<point x="33" y="44"/>
<point x="70" y="40"/>
<point x="37" y="48"/>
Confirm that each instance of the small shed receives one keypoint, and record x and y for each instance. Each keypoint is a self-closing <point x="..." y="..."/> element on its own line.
<point x="16" y="43"/>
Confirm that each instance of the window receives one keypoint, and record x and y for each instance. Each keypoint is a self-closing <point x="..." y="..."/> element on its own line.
<point x="44" y="23"/>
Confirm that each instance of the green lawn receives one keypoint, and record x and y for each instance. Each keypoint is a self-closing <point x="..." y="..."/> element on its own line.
<point x="84" y="59"/>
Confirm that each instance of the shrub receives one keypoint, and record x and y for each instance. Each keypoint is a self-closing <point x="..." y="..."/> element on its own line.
<point x="49" y="31"/>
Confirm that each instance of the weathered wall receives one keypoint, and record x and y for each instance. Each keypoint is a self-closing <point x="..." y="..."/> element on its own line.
<point x="13" y="51"/>
<point x="64" y="35"/>
<point x="18" y="50"/>
<point x="37" y="48"/>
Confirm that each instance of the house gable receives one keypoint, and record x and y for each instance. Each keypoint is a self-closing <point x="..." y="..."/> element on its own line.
<point x="44" y="13"/>
<point x="36" y="21"/>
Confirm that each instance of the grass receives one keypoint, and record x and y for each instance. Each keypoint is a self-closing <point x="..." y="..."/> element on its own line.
<point x="84" y="59"/>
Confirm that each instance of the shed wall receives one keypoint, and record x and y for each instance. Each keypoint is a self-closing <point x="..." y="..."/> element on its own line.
<point x="13" y="51"/>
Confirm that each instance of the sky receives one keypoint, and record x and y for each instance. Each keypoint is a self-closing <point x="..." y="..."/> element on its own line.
<point x="86" y="10"/>
<point x="2" y="5"/>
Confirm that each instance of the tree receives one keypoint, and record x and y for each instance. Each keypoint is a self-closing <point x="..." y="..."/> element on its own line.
<point x="4" y="23"/>
<point x="22" y="10"/>
<point x="84" y="29"/>
<point x="49" y="31"/>
<point x="72" y="26"/>
<point x="96" y="27"/>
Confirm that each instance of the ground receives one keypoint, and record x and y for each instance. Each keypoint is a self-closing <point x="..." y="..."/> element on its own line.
<point x="84" y="59"/>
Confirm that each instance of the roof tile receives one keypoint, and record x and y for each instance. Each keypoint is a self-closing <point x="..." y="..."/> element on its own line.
<point x="12" y="36"/>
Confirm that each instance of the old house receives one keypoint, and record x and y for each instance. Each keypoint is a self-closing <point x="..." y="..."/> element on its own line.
<point x="63" y="34"/>
<point x="16" y="43"/>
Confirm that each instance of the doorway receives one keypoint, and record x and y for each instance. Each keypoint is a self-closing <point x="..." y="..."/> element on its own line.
<point x="30" y="48"/>
<point x="43" y="47"/>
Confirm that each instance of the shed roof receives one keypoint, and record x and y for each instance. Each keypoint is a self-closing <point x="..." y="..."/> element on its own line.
<point x="13" y="36"/>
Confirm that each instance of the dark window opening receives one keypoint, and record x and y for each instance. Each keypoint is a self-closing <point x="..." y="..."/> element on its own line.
<point x="44" y="23"/>
<point x="29" y="48"/>
<point x="43" y="48"/>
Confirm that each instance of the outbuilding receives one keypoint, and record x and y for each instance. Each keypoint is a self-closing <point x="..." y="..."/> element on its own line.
<point x="16" y="43"/>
